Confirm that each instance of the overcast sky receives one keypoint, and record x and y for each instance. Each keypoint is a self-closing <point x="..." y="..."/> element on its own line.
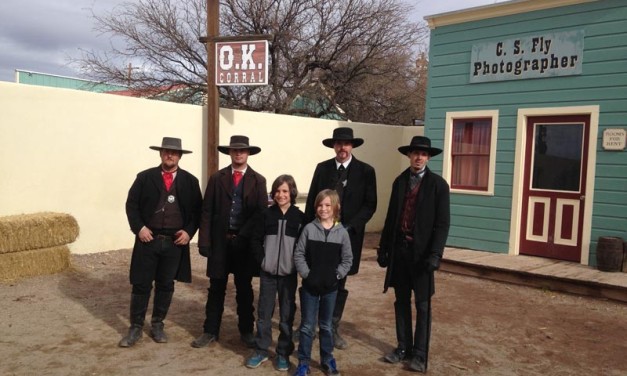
<point x="40" y="35"/>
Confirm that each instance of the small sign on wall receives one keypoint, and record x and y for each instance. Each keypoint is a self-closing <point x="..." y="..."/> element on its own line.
<point x="614" y="139"/>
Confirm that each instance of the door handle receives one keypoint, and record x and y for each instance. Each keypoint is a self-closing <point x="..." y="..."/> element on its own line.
<point x="582" y="197"/>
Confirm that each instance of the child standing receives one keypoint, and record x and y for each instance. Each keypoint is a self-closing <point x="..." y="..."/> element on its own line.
<point x="322" y="256"/>
<point x="273" y="240"/>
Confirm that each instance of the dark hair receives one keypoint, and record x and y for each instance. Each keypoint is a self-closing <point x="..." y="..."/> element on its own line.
<point x="291" y="185"/>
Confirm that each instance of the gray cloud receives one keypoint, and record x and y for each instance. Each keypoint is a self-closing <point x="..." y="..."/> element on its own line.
<point x="40" y="35"/>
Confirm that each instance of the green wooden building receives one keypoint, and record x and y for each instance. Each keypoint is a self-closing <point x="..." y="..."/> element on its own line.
<point x="529" y="100"/>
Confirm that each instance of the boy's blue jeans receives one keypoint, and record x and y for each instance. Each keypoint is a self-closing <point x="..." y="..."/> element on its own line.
<point x="316" y="308"/>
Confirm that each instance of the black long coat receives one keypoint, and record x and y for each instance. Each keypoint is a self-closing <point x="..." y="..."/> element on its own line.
<point x="359" y="201"/>
<point x="431" y="226"/>
<point x="214" y="219"/>
<point x="142" y="202"/>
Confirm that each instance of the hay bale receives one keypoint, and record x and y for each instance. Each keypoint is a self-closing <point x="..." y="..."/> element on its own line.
<point x="35" y="262"/>
<point x="38" y="230"/>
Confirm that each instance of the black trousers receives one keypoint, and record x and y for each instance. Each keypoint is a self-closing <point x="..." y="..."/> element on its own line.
<point x="407" y="276"/>
<point x="244" y="296"/>
<point x="158" y="261"/>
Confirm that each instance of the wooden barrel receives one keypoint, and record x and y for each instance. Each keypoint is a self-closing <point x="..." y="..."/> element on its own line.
<point x="610" y="253"/>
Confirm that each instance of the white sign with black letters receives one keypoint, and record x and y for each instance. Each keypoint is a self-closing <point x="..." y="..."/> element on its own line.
<point x="242" y="63"/>
<point x="533" y="56"/>
<point x="614" y="139"/>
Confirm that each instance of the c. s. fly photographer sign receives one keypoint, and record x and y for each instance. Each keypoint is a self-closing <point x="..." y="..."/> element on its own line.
<point x="535" y="56"/>
<point x="242" y="63"/>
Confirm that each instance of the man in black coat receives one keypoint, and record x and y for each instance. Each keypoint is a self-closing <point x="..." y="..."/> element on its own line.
<point x="163" y="210"/>
<point x="356" y="184"/>
<point x="233" y="196"/>
<point x="412" y="243"/>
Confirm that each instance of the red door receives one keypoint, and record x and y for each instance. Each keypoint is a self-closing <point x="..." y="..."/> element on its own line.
<point x="554" y="188"/>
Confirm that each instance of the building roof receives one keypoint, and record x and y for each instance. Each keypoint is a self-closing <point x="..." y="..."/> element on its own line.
<point x="52" y="80"/>
<point x="505" y="8"/>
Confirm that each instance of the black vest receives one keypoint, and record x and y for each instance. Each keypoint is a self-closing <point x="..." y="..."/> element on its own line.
<point x="237" y="206"/>
<point x="408" y="215"/>
<point x="167" y="215"/>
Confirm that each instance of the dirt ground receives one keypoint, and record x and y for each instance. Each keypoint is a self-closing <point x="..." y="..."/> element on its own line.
<point x="70" y="323"/>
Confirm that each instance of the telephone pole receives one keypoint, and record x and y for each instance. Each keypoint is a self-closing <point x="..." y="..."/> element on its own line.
<point x="213" y="100"/>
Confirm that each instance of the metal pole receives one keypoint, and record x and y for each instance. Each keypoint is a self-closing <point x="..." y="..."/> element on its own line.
<point x="213" y="99"/>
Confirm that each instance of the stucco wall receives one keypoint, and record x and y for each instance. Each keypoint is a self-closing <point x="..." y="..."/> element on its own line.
<point x="78" y="152"/>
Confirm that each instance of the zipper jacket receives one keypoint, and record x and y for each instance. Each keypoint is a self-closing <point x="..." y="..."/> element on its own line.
<point x="323" y="258"/>
<point x="274" y="238"/>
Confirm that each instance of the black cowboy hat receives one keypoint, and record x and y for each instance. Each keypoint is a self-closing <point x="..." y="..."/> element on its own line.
<point x="420" y="143"/>
<point x="239" y="142"/>
<point x="170" y="143"/>
<point x="342" y="134"/>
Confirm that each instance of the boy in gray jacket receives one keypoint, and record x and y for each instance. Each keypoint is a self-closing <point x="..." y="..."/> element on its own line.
<point x="275" y="234"/>
<point x="322" y="257"/>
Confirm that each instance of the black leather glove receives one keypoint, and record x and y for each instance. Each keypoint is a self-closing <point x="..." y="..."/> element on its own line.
<point x="382" y="258"/>
<point x="433" y="263"/>
<point x="204" y="251"/>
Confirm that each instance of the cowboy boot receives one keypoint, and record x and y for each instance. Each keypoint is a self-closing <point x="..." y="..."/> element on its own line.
<point x="340" y="302"/>
<point x="139" y="305"/>
<point x="422" y="333"/>
<point x="159" y="312"/>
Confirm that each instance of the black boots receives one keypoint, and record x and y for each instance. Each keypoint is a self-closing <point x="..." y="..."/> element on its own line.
<point x="396" y="356"/>
<point x="340" y="302"/>
<point x="133" y="335"/>
<point x="338" y="341"/>
<point x="156" y="331"/>
<point x="159" y="312"/>
<point x="139" y="305"/>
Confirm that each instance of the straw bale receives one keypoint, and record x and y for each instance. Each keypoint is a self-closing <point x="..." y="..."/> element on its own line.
<point x="38" y="230"/>
<point x="16" y="265"/>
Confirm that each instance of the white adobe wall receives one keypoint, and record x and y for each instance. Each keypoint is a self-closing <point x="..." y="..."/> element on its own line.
<point x="78" y="152"/>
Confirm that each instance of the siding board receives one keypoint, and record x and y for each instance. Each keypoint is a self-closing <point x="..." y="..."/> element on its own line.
<point x="478" y="244"/>
<point x="483" y="222"/>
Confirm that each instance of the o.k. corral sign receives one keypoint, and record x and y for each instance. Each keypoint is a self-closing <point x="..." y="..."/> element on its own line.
<point x="242" y="63"/>
<point x="534" y="56"/>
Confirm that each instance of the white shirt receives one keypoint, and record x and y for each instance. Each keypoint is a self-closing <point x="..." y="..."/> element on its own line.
<point x="345" y="164"/>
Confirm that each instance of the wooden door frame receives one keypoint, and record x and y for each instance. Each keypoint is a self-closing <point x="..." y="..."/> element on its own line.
<point x="519" y="170"/>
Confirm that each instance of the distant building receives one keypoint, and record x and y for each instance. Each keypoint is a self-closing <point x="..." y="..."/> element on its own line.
<point x="51" y="80"/>
<point x="301" y="106"/>
<point x="175" y="93"/>
<point x="320" y="108"/>
<point x="166" y="93"/>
